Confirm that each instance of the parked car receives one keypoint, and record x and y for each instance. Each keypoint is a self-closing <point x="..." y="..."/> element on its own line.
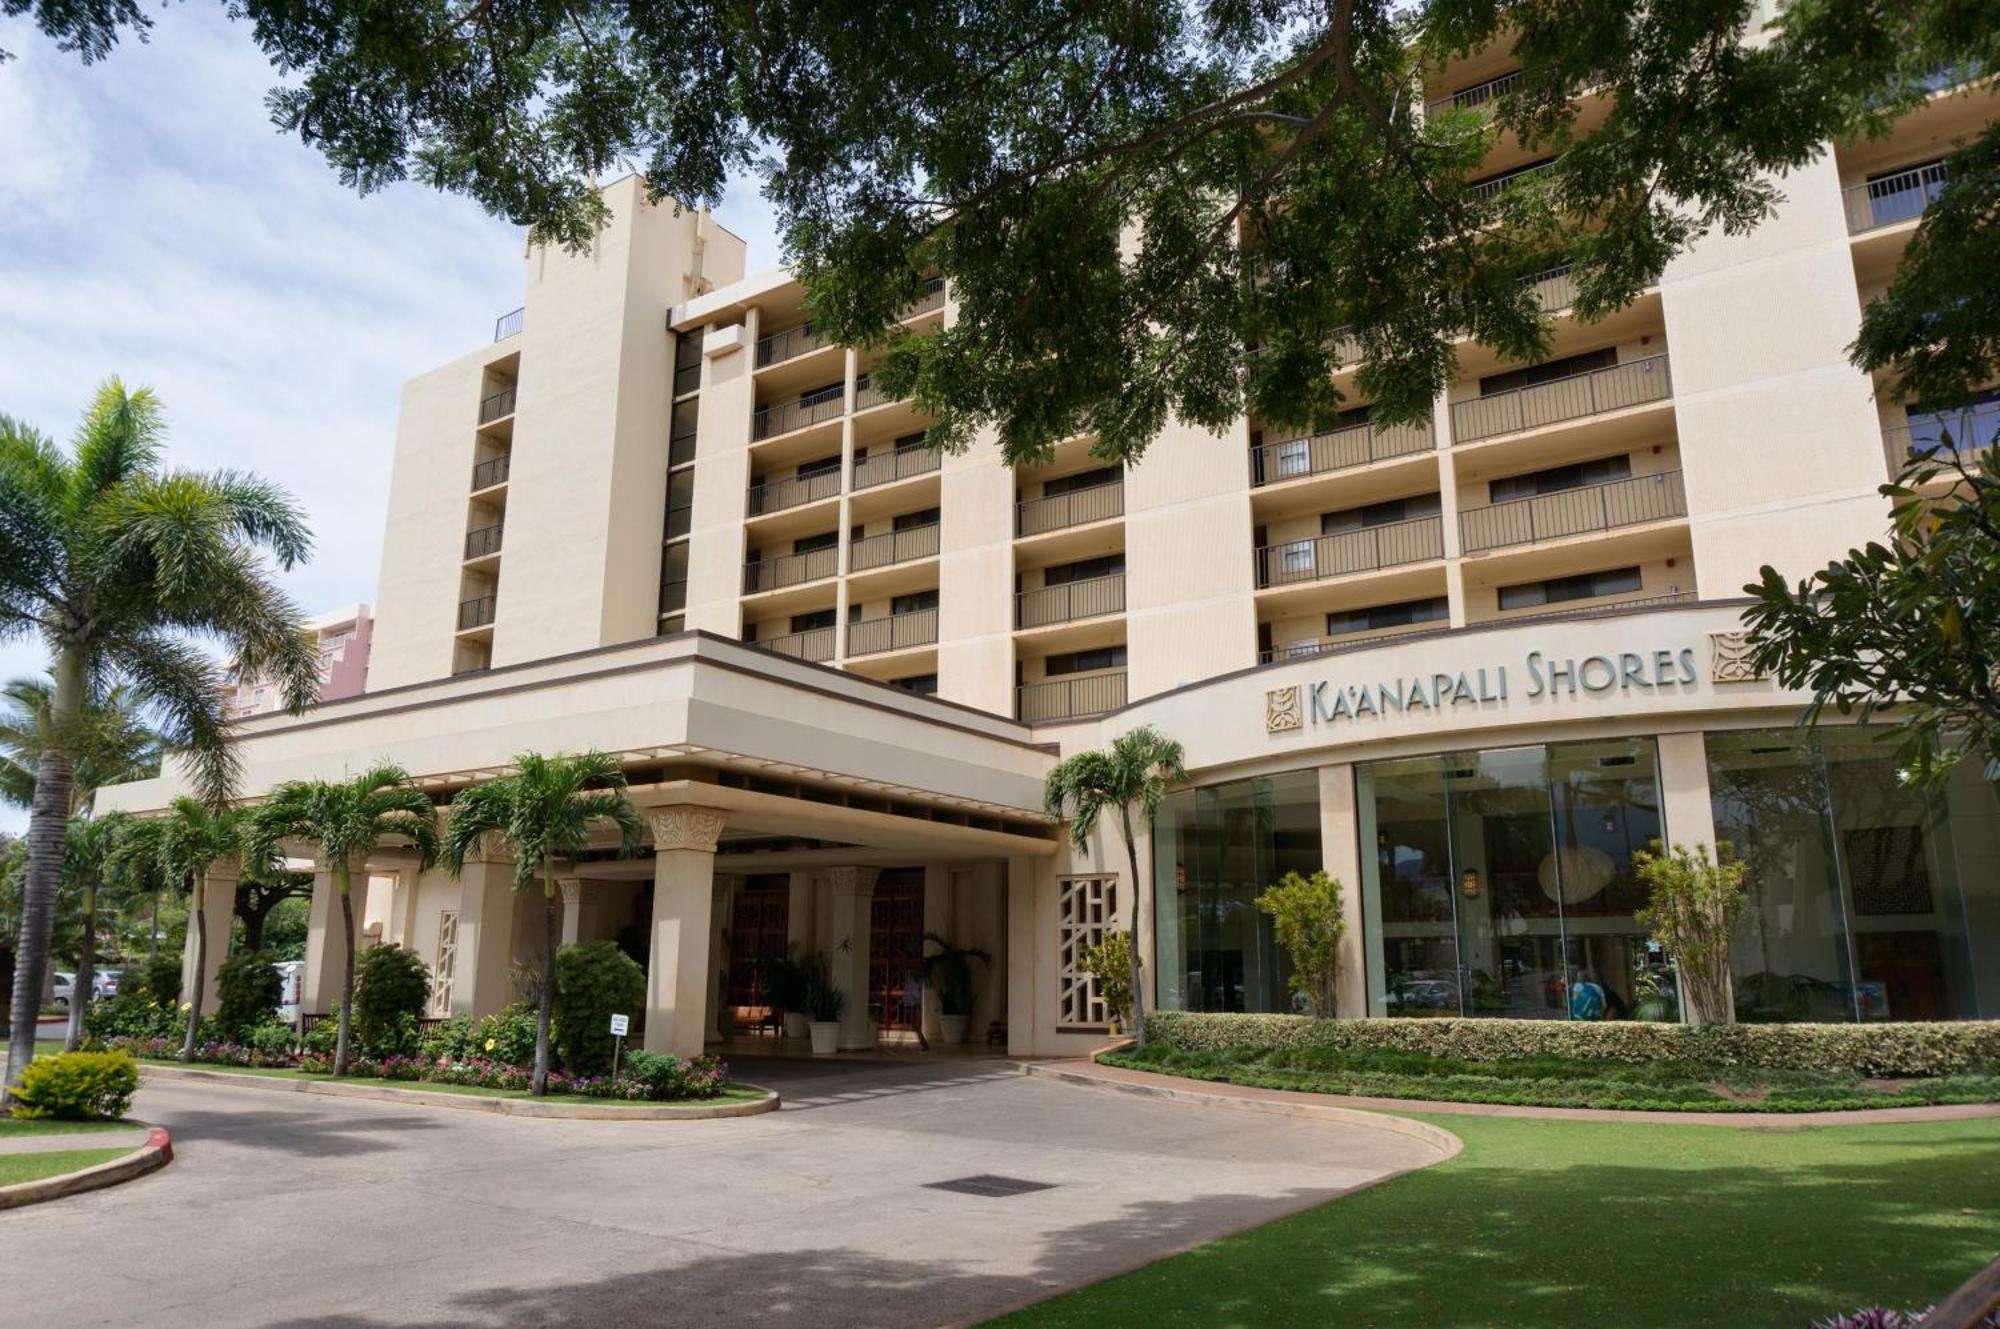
<point x="104" y="983"/>
<point x="65" y="987"/>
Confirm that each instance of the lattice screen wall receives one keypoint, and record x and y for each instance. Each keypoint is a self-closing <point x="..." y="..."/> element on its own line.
<point x="1086" y="909"/>
<point x="446" y="964"/>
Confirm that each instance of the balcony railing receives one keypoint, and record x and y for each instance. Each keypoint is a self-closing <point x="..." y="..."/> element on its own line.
<point x="787" y="345"/>
<point x="811" y="409"/>
<point x="1054" y="512"/>
<point x="1069" y="601"/>
<point x="495" y="407"/>
<point x="1573" y="511"/>
<point x="1893" y="198"/>
<point x="492" y="471"/>
<point x="1941" y="434"/>
<point x="901" y="464"/>
<point x="895" y="632"/>
<point x="866" y="394"/>
<point x="931" y="299"/>
<point x="482" y="541"/>
<point x="880" y="551"/>
<point x="1500" y="184"/>
<point x="1336" y="645"/>
<point x="793" y="491"/>
<point x="1337" y="450"/>
<point x="1609" y="607"/>
<point x="508" y="324"/>
<point x="1555" y="288"/>
<point x="771" y="574"/>
<point x="814" y="644"/>
<point x="1593" y="392"/>
<point x="1069" y="698"/>
<point x="476" y="612"/>
<point x="1478" y="97"/>
<point x="1386" y="546"/>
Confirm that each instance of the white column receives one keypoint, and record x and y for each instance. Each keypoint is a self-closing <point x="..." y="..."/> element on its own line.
<point x="572" y="908"/>
<point x="853" y="894"/>
<point x="721" y="894"/>
<point x="404" y="920"/>
<point x="1685" y="805"/>
<point x="326" y="946"/>
<point x="1023" y="957"/>
<point x="217" y="892"/>
<point x="1340" y="854"/>
<point x="684" y="840"/>
<point x="482" y="982"/>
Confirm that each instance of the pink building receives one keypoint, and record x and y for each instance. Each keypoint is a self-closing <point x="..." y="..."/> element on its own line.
<point x="343" y="636"/>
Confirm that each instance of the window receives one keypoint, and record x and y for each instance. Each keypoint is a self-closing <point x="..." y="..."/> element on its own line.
<point x="820" y="466"/>
<point x="1548" y="371"/>
<point x="1069" y="484"/>
<point x="444" y="962"/>
<point x="1398" y="615"/>
<point x="914" y="603"/>
<point x="1295" y="558"/>
<point x="1292" y="457"/>
<point x="924" y="685"/>
<point x="1086" y="910"/>
<point x="681" y="428"/>
<point x="671" y="624"/>
<point x="680" y="502"/>
<point x="1558" y="478"/>
<point x="687" y="362"/>
<point x="910" y="443"/>
<point x="1083" y="662"/>
<point x="1558" y="590"/>
<point x="910" y="521"/>
<point x="807" y="544"/>
<point x="674" y="578"/>
<point x="819" y="618"/>
<point x="1380" y="514"/>
<point x="1110" y="565"/>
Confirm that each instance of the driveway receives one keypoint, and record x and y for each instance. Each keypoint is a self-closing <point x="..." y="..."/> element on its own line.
<point x="295" y="1210"/>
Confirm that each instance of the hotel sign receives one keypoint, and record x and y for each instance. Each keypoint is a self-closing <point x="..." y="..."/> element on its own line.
<point x="1536" y="677"/>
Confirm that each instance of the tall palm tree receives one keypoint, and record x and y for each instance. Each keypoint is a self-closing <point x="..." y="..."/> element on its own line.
<point x="345" y="820"/>
<point x="184" y="844"/>
<point x="115" y="741"/>
<point x="116" y="565"/>
<point x="547" y="810"/>
<point x="1136" y="769"/>
<point x="88" y="849"/>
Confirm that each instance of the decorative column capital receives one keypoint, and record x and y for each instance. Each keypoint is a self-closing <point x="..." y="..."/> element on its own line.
<point x="685" y="827"/>
<point x="853" y="881"/>
<point x="223" y="869"/>
<point x="571" y="888"/>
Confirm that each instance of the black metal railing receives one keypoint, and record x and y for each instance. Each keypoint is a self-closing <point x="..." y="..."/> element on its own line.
<point x="1069" y="601"/>
<point x="1337" y="450"/>
<point x="492" y="471"/>
<point x="1303" y="650"/>
<point x="787" y="345"/>
<point x="497" y="406"/>
<point x="1593" y="392"/>
<point x="1077" y="507"/>
<point x="1478" y="97"/>
<point x="793" y="491"/>
<point x="1069" y="698"/>
<point x="900" y="464"/>
<point x="1600" y="507"/>
<point x="814" y="644"/>
<point x="1389" y="545"/>
<point x="810" y="409"/>
<point x="773" y="574"/>
<point x="894" y="632"/>
<point x="932" y="299"/>
<point x="890" y="547"/>
<point x="476" y="612"/>
<point x="483" y="540"/>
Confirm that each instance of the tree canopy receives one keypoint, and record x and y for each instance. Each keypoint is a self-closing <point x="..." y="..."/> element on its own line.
<point x="1187" y="204"/>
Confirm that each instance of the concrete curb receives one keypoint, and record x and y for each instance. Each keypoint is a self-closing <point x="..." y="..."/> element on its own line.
<point x="151" y="1156"/>
<point x="581" y="1110"/>
<point x="1447" y="1144"/>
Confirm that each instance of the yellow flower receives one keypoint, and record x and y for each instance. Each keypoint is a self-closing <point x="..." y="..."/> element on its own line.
<point x="490" y="1043"/>
<point x="187" y="1005"/>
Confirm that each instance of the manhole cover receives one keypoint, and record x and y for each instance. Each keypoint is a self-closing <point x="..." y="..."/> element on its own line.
<point x="989" y="1185"/>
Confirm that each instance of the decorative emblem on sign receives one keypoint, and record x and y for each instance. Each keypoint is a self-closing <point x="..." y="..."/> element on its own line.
<point x="1282" y="710"/>
<point x="1729" y="658"/>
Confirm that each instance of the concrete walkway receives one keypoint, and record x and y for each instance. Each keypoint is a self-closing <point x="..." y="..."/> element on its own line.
<point x="838" y="1210"/>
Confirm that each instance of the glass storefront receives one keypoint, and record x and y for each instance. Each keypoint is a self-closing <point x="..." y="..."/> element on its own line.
<point x="1215" y="850"/>
<point x="1501" y="883"/>
<point x="1865" y="897"/>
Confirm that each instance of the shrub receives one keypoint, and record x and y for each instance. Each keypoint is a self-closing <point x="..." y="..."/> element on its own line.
<point x="451" y="1038"/>
<point x="247" y="992"/>
<point x="1110" y="963"/>
<point x="78" y="1086"/>
<point x="391" y="987"/>
<point x="160" y="980"/>
<point x="324" y="1034"/>
<point x="1305" y="915"/>
<point x="660" y="1076"/>
<point x="1865" y="1049"/>
<point x="132" y="1014"/>
<point x="272" y="1039"/>
<point x="507" y="1036"/>
<point x="594" y="981"/>
<point x="1692" y="906"/>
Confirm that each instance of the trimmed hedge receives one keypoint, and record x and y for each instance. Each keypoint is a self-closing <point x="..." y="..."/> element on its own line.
<point x="77" y="1086"/>
<point x="1864" y="1049"/>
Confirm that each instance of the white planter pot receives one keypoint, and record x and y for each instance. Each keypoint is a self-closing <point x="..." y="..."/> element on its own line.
<point x="795" y="1024"/>
<point x="825" y="1037"/>
<point x="952" y="1028"/>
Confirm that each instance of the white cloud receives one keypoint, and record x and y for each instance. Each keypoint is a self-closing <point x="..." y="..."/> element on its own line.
<point x="159" y="228"/>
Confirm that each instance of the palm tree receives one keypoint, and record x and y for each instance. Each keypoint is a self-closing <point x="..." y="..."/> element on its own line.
<point x="115" y="741"/>
<point x="547" y="810"/>
<point x="346" y="819"/>
<point x="88" y="849"/>
<point x="1137" y="768"/>
<point x="115" y="564"/>
<point x="183" y="845"/>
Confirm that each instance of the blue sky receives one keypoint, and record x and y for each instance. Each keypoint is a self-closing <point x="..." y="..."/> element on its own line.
<point x="159" y="228"/>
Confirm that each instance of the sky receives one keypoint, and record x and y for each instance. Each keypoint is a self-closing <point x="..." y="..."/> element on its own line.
<point x="154" y="225"/>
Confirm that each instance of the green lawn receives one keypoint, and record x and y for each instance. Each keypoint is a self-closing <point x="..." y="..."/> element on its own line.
<point x="14" y="1126"/>
<point x="1559" y="1223"/>
<point x="16" y="1168"/>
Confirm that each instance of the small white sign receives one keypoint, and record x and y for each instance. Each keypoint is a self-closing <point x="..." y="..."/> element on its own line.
<point x="620" y="1025"/>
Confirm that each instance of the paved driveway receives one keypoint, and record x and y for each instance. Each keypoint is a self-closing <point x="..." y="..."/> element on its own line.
<point x="295" y="1210"/>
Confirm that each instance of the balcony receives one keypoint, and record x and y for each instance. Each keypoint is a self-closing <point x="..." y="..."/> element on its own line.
<point x="811" y="409"/>
<point x="1337" y="450"/>
<point x="774" y="574"/>
<point x="496" y="407"/>
<point x="1055" y="512"/>
<point x="1070" y="601"/>
<point x="476" y="612"/>
<point x="1577" y="397"/>
<point x="1340" y="645"/>
<point x="894" y="632"/>
<point x="1892" y="198"/>
<point x="891" y="547"/>
<point x="492" y="471"/>
<point x="867" y="395"/>
<point x="1553" y="289"/>
<point x="792" y="492"/>
<point x="1497" y="185"/>
<point x="1942" y="434"/>
<point x="929" y="302"/>
<point x="1386" y="546"/>
<point x="482" y="542"/>
<point x="1602" y="507"/>
<point x="1604" y="609"/>
<point x="814" y="645"/>
<point x="888" y="467"/>
<point x="1069" y="698"/>
<point x="508" y="324"/>
<point x="1478" y="97"/>
<point x="787" y="345"/>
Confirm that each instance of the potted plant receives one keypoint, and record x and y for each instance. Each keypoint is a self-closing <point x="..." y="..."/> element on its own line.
<point x="949" y="970"/>
<point x="789" y="978"/>
<point x="826" y="1003"/>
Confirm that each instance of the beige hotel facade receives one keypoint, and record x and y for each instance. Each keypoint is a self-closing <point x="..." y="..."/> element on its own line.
<point x="1467" y="666"/>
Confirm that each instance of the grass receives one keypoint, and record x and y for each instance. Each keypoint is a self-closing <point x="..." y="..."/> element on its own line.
<point x="17" y="1168"/>
<point x="11" y="1127"/>
<point x="1544" y="1223"/>
<point x="1549" y="1081"/>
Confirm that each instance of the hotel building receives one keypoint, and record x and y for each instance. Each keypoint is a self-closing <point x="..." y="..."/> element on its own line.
<point x="340" y="637"/>
<point x="1466" y="665"/>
